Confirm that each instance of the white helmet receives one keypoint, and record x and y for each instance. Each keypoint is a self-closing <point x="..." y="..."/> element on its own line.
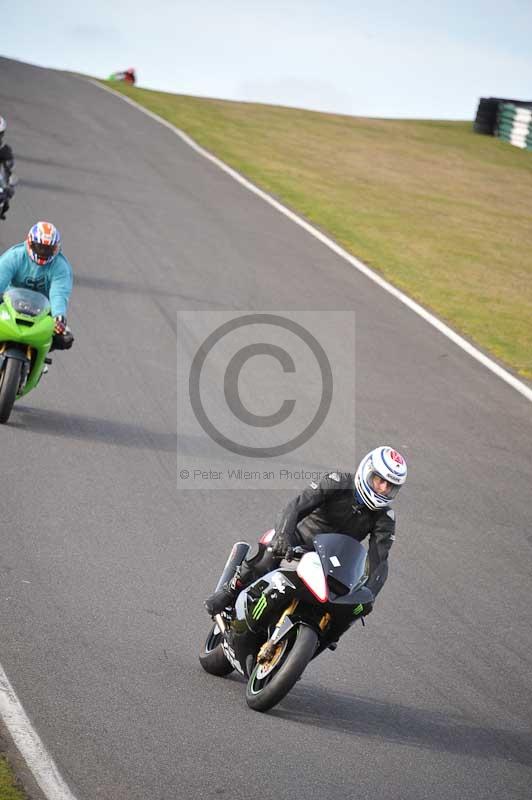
<point x="383" y="462"/>
<point x="3" y="127"/>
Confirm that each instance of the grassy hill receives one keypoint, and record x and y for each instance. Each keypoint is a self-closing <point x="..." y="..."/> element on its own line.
<point x="441" y="212"/>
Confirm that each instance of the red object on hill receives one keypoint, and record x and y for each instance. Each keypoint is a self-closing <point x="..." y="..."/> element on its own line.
<point x="127" y="75"/>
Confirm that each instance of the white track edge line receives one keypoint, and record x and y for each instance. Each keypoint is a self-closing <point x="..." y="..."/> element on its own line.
<point x="502" y="373"/>
<point x="30" y="746"/>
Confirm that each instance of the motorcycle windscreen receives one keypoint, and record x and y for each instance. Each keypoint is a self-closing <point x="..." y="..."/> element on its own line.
<point x="342" y="558"/>
<point x="28" y="302"/>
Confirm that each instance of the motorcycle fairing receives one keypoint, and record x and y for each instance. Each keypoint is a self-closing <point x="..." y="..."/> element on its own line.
<point x="342" y="558"/>
<point x="257" y="609"/>
<point x="18" y="330"/>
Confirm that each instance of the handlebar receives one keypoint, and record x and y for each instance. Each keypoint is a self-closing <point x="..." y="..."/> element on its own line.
<point x="292" y="552"/>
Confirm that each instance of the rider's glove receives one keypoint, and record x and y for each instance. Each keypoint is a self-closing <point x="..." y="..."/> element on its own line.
<point x="60" y="325"/>
<point x="281" y="543"/>
<point x="290" y="555"/>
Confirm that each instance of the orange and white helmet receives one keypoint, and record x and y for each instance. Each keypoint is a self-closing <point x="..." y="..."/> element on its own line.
<point x="387" y="464"/>
<point x="43" y="243"/>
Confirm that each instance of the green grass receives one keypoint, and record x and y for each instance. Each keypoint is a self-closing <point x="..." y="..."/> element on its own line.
<point x="441" y="212"/>
<point x="8" y="790"/>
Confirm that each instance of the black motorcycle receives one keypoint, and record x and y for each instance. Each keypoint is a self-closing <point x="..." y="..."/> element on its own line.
<point x="288" y="617"/>
<point x="7" y="188"/>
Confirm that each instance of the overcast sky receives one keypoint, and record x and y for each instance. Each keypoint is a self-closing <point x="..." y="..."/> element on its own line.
<point x="383" y="58"/>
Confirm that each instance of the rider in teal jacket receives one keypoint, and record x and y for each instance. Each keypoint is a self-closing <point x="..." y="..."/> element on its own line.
<point x="38" y="264"/>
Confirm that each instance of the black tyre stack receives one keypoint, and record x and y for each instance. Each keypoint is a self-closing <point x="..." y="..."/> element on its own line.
<point x="486" y="118"/>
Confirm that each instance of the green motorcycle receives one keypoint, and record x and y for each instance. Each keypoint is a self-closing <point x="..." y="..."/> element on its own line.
<point x="26" y="331"/>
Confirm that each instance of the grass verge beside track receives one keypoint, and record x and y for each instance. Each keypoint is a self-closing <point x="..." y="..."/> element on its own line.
<point x="8" y="787"/>
<point x="442" y="213"/>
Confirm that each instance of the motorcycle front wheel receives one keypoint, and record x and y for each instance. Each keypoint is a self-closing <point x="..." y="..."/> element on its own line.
<point x="9" y="383"/>
<point x="270" y="682"/>
<point x="212" y="657"/>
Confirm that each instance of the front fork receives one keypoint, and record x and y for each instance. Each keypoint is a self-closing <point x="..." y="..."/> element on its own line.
<point x="285" y="624"/>
<point x="26" y="369"/>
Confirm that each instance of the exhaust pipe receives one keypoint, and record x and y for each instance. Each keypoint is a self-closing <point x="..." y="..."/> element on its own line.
<point x="236" y="557"/>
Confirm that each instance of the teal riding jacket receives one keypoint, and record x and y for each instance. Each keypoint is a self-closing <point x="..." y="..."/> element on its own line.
<point x="54" y="280"/>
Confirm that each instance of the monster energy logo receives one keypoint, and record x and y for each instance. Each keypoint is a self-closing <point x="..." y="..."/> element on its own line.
<point x="358" y="609"/>
<point x="259" y="607"/>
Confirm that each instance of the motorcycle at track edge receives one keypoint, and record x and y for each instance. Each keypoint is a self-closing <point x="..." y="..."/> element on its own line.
<point x="7" y="188"/>
<point x="26" y="332"/>
<point x="286" y="618"/>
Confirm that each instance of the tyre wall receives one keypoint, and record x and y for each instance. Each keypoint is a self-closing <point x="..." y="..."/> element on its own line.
<point x="514" y="125"/>
<point x="510" y="120"/>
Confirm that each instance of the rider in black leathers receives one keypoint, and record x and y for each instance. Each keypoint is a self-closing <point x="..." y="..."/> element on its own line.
<point x="7" y="159"/>
<point x="353" y="504"/>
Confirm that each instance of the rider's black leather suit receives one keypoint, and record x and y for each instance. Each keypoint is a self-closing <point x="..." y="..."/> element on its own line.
<point x="330" y="506"/>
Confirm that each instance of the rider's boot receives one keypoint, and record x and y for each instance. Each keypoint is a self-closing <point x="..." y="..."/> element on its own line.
<point x="225" y="597"/>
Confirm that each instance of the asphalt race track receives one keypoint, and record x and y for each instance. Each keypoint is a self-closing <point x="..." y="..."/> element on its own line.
<point x="104" y="563"/>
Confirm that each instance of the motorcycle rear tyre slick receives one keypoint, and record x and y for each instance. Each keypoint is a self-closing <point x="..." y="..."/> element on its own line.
<point x="289" y="670"/>
<point x="9" y="383"/>
<point x="212" y="657"/>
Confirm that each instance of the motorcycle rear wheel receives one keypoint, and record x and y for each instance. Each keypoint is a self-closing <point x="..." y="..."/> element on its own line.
<point x="9" y="383"/>
<point x="212" y="657"/>
<point x="267" y="688"/>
